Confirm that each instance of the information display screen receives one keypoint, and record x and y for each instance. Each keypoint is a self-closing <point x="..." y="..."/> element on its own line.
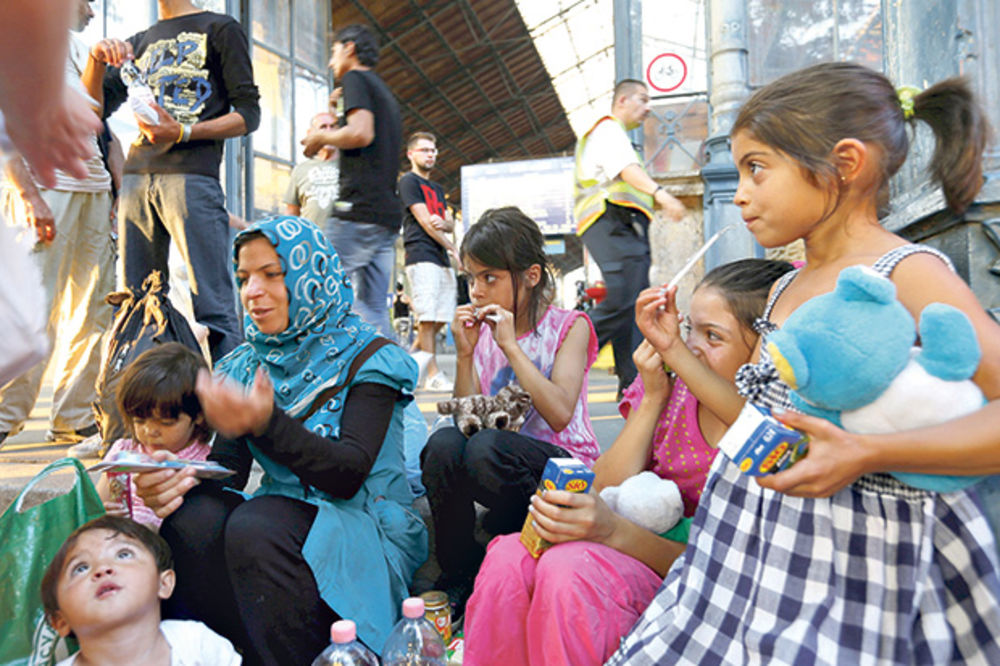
<point x="542" y="188"/>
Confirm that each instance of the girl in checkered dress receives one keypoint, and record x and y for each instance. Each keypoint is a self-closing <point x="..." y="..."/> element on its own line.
<point x="834" y="561"/>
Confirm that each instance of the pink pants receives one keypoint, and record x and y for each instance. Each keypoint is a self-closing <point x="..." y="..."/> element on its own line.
<point x="570" y="606"/>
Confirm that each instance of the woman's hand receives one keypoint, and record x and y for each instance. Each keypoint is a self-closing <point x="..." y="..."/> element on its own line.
<point x="836" y="458"/>
<point x="501" y="324"/>
<point x="657" y="317"/>
<point x="230" y="410"/>
<point x="654" y="376"/>
<point x="163" y="492"/>
<point x="564" y="516"/>
<point x="465" y="329"/>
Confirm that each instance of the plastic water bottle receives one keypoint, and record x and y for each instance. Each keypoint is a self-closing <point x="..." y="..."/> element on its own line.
<point x="414" y="641"/>
<point x="345" y="650"/>
<point x="140" y="96"/>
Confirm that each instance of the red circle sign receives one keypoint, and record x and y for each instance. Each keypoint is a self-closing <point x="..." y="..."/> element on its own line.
<point x="666" y="72"/>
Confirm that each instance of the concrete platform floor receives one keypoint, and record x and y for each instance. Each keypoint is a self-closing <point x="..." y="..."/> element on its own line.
<point x="25" y="454"/>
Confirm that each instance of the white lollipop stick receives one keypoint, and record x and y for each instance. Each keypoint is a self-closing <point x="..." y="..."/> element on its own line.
<point x="674" y="281"/>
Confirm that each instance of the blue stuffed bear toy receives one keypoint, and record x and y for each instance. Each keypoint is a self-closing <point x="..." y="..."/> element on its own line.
<point x="849" y="357"/>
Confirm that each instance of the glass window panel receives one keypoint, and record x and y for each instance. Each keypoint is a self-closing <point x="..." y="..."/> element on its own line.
<point x="312" y="26"/>
<point x="786" y="35"/>
<point x="860" y="32"/>
<point x="677" y="28"/>
<point x="273" y="77"/>
<point x="270" y="182"/>
<point x="312" y="95"/>
<point x="272" y="24"/>
<point x="127" y="17"/>
<point x="217" y="6"/>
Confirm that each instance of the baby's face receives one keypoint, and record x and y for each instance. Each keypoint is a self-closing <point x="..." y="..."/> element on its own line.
<point x="164" y="433"/>
<point x="108" y="580"/>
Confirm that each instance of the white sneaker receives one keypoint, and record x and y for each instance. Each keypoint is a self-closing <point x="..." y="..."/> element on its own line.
<point x="439" y="383"/>
<point x="88" y="448"/>
<point x="423" y="359"/>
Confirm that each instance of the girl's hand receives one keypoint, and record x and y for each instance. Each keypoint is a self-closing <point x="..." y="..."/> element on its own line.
<point x="465" y="329"/>
<point x="835" y="459"/>
<point x="232" y="411"/>
<point x="657" y="317"/>
<point x="501" y="323"/>
<point x="164" y="491"/>
<point x="654" y="376"/>
<point x="115" y="509"/>
<point x="564" y="516"/>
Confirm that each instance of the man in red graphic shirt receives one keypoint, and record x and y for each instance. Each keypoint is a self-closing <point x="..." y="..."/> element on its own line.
<point x="426" y="226"/>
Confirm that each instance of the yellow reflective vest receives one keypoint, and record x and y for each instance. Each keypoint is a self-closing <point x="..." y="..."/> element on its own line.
<point x="591" y="196"/>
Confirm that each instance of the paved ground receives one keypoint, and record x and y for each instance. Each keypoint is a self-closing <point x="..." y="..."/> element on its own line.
<point x="25" y="454"/>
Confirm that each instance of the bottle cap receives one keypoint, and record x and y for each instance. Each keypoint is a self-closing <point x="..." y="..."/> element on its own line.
<point x="413" y="607"/>
<point x="434" y="599"/>
<point x="343" y="631"/>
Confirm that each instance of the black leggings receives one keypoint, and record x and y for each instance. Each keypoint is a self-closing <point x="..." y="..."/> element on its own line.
<point x="496" y="468"/>
<point x="240" y="570"/>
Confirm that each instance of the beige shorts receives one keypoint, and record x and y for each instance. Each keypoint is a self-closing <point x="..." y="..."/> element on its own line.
<point x="432" y="291"/>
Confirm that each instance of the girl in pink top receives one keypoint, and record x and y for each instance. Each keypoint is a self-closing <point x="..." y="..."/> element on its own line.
<point x="509" y="333"/>
<point x="574" y="603"/>
<point x="158" y="404"/>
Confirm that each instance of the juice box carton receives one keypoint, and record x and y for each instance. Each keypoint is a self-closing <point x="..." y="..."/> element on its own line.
<point x="559" y="474"/>
<point x="759" y="444"/>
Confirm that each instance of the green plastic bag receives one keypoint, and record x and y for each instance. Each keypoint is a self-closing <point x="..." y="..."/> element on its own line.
<point x="29" y="539"/>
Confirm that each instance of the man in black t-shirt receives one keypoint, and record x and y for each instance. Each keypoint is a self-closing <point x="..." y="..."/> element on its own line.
<point x="432" y="282"/>
<point x="197" y="65"/>
<point x="366" y="218"/>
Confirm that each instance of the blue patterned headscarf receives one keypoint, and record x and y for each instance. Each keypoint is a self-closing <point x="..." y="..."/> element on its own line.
<point x="323" y="334"/>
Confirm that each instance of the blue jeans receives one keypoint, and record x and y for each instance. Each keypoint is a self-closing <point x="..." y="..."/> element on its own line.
<point x="189" y="211"/>
<point x="367" y="253"/>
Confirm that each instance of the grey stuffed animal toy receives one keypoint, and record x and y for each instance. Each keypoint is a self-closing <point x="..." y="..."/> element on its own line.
<point x="504" y="411"/>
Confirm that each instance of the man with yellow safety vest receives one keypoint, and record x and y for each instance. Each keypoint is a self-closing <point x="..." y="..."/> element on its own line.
<point x="614" y="204"/>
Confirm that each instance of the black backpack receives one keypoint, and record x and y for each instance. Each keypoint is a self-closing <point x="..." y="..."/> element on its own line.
<point x="144" y="319"/>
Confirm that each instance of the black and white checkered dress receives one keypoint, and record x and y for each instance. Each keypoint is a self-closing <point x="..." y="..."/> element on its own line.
<point x="879" y="573"/>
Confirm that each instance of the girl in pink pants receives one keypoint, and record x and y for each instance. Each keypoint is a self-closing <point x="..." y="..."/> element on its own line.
<point x="574" y="603"/>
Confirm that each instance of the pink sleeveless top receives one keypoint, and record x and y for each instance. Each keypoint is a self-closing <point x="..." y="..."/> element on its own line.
<point x="680" y="452"/>
<point x="541" y="345"/>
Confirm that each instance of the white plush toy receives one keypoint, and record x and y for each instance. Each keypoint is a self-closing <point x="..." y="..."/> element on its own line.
<point x="647" y="500"/>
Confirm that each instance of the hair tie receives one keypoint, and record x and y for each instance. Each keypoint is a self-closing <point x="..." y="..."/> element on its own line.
<point x="906" y="95"/>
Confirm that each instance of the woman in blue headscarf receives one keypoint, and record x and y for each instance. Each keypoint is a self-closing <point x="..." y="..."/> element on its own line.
<point x="331" y="532"/>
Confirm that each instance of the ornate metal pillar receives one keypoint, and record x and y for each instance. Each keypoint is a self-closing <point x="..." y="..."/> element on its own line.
<point x="628" y="49"/>
<point x="728" y="88"/>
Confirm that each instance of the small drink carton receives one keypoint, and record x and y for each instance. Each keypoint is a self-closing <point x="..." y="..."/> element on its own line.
<point x="760" y="444"/>
<point x="559" y="474"/>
